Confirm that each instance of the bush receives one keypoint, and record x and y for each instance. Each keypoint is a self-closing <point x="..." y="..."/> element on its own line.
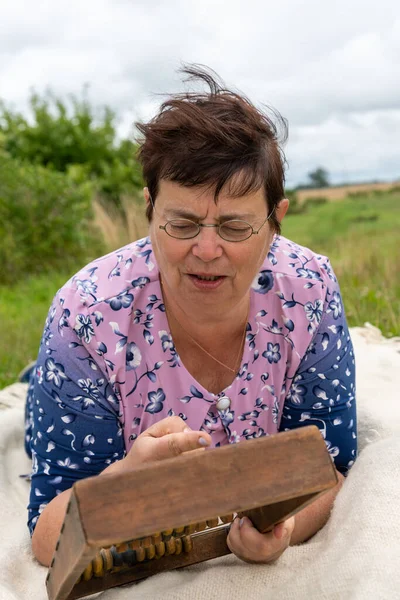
<point x="73" y="136"/>
<point x="365" y="218"/>
<point x="45" y="220"/>
<point x="359" y="194"/>
<point x="314" y="201"/>
<point x="295" y="207"/>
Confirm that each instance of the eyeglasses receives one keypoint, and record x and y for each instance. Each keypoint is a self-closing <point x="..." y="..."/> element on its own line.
<point x="234" y="230"/>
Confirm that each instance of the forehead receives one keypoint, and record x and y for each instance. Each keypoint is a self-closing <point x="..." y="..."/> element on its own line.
<point x="174" y="197"/>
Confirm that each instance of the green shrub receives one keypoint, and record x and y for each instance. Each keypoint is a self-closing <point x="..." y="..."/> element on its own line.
<point x="45" y="220"/>
<point x="394" y="190"/>
<point x="295" y="207"/>
<point x="314" y="201"/>
<point x="359" y="194"/>
<point x="365" y="218"/>
<point x="73" y="136"/>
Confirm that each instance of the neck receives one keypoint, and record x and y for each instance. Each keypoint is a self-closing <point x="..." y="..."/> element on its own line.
<point x="203" y="327"/>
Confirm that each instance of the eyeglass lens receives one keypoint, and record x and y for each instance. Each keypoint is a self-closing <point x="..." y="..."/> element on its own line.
<point x="234" y="230"/>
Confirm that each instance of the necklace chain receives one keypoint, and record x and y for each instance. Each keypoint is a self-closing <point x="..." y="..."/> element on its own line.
<point x="210" y="355"/>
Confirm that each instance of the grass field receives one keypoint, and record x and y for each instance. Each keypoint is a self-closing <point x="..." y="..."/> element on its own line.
<point x="23" y="310"/>
<point x="361" y="238"/>
<point x="360" y="235"/>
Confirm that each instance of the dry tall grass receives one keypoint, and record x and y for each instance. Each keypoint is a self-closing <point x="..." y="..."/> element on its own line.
<point x="120" y="227"/>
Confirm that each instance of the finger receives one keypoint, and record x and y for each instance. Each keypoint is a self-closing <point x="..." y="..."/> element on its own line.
<point x="174" y="425"/>
<point x="251" y="545"/>
<point x="197" y="451"/>
<point x="234" y="541"/>
<point x="175" y="444"/>
<point x="263" y="543"/>
<point x="285" y="528"/>
<point x="165" y="426"/>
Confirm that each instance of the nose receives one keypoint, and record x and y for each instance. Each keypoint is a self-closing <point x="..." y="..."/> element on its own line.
<point x="208" y="244"/>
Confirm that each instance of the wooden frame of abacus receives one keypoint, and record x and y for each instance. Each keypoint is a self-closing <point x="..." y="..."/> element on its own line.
<point x="121" y="528"/>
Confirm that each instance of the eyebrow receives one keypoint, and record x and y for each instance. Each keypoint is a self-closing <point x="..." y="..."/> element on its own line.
<point x="186" y="214"/>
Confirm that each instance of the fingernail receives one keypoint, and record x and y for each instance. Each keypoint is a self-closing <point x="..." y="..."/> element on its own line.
<point x="241" y="522"/>
<point x="203" y="442"/>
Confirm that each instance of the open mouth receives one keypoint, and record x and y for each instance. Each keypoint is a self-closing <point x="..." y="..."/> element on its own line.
<point x="206" y="277"/>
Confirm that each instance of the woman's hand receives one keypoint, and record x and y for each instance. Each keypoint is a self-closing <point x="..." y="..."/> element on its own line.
<point x="248" y="544"/>
<point x="165" y="439"/>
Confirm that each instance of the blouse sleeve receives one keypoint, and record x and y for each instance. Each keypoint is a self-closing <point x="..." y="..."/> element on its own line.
<point x="73" y="411"/>
<point x="322" y="392"/>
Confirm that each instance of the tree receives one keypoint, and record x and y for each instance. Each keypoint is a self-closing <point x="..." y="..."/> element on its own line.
<point x="318" y="178"/>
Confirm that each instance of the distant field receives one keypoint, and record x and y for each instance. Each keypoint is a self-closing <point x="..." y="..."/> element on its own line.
<point x="339" y="193"/>
<point x="360" y="235"/>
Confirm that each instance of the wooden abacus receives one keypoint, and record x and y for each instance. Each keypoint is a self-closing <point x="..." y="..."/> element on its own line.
<point x="121" y="528"/>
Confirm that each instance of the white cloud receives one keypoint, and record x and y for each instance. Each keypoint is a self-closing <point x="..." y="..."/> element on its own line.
<point x="360" y="146"/>
<point x="331" y="70"/>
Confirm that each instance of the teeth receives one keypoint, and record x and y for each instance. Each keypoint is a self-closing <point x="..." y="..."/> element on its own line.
<point x="212" y="278"/>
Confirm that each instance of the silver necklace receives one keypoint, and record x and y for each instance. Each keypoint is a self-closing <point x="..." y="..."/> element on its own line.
<point x="234" y="370"/>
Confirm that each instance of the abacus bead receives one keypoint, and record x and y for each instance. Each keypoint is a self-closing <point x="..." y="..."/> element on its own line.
<point x="178" y="545"/>
<point x="123" y="547"/>
<point x="156" y="538"/>
<point x="145" y="542"/>
<point x="187" y="543"/>
<point x="212" y="522"/>
<point x="170" y="546"/>
<point x="98" y="565"/>
<point x="150" y="552"/>
<point x="201" y="526"/>
<point x="189" y="529"/>
<point x="107" y="559"/>
<point x="140" y="554"/>
<point x="167" y="534"/>
<point x="88" y="572"/>
<point x="227" y="518"/>
<point x="117" y="558"/>
<point x="160" y="549"/>
<point x="129" y="557"/>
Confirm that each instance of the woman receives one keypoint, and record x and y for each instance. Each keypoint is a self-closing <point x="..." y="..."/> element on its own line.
<point x="213" y="330"/>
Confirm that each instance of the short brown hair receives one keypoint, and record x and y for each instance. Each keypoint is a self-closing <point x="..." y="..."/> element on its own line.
<point x="214" y="139"/>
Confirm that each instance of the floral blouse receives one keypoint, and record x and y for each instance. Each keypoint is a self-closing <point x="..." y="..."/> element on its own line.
<point x="107" y="367"/>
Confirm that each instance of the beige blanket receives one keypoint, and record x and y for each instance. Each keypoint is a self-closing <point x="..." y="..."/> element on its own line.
<point x="355" y="556"/>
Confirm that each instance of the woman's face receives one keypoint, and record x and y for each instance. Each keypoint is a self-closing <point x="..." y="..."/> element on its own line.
<point x="184" y="264"/>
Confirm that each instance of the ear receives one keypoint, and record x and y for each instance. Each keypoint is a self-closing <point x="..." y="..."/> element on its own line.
<point x="146" y="195"/>
<point x="281" y="209"/>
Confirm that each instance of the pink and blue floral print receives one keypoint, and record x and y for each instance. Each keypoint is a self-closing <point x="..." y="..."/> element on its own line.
<point x="107" y="367"/>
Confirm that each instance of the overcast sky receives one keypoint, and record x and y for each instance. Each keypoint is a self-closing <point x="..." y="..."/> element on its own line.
<point x="331" y="68"/>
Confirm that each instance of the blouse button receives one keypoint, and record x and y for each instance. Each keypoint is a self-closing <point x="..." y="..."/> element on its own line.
<point x="223" y="403"/>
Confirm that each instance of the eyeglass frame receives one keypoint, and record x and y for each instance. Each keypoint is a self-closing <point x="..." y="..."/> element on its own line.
<point x="217" y="225"/>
